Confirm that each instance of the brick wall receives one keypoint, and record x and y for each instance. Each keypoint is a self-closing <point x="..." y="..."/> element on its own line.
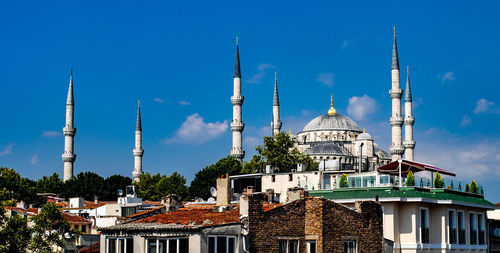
<point x="319" y="219"/>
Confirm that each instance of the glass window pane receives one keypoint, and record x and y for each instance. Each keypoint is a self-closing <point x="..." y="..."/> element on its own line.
<point x="311" y="246"/>
<point x="183" y="245"/>
<point x="130" y="245"/>
<point x="282" y="246"/>
<point x="231" y="245"/>
<point x="211" y="244"/>
<point x="112" y="245"/>
<point x="293" y="246"/>
<point x="172" y="246"/>
<point x="221" y="244"/>
<point x="121" y="245"/>
<point x="151" y="246"/>
<point x="162" y="247"/>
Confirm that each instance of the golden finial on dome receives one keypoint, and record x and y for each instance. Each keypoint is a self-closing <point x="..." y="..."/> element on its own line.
<point x="290" y="133"/>
<point x="332" y="110"/>
<point x="364" y="130"/>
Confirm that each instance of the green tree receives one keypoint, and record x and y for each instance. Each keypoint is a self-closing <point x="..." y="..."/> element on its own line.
<point x="52" y="184"/>
<point x="206" y="178"/>
<point x="255" y="165"/>
<point x="279" y="151"/>
<point x="410" y="180"/>
<point x="438" y="181"/>
<point x="474" y="188"/>
<point x="49" y="229"/>
<point x="467" y="188"/>
<point x="17" y="187"/>
<point x="173" y="184"/>
<point x="114" y="183"/>
<point x="146" y="187"/>
<point x="85" y="184"/>
<point x="343" y="181"/>
<point x="15" y="235"/>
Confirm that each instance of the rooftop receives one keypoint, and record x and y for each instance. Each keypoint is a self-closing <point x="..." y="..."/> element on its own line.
<point x="406" y="194"/>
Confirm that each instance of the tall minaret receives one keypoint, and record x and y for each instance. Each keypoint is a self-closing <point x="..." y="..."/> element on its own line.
<point x="138" y="151"/>
<point x="276" y="123"/>
<point x="69" y="131"/>
<point x="396" y="120"/>
<point x="408" y="143"/>
<point x="237" y="124"/>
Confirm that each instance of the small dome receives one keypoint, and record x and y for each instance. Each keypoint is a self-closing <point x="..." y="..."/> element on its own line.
<point x="364" y="136"/>
<point x="334" y="122"/>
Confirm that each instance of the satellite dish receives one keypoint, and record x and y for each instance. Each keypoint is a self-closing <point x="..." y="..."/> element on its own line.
<point x="213" y="191"/>
<point x="211" y="200"/>
<point x="199" y="200"/>
<point x="120" y="192"/>
<point x="67" y="235"/>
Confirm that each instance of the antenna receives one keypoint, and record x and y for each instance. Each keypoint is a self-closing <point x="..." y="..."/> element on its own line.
<point x="213" y="191"/>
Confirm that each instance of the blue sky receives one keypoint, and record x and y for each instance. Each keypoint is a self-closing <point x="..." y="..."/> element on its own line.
<point x="178" y="58"/>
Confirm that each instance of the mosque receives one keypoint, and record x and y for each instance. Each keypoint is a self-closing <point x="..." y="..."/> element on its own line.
<point x="334" y="140"/>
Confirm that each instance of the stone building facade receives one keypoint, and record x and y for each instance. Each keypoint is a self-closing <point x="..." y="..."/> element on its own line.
<point x="314" y="225"/>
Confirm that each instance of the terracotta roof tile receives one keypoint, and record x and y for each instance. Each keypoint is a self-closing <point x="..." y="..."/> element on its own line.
<point x="75" y="218"/>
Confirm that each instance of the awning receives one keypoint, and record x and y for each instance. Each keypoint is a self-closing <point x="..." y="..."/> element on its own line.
<point x="407" y="165"/>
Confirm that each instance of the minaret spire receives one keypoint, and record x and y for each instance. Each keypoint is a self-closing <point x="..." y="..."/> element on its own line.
<point x="276" y="123"/>
<point x="138" y="151"/>
<point x="332" y="110"/>
<point x="408" y="143"/>
<point x="69" y="131"/>
<point x="237" y="125"/>
<point x="396" y="120"/>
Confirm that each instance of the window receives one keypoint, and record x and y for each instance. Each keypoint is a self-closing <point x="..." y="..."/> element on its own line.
<point x="480" y="223"/>
<point x="222" y="244"/>
<point x="273" y="178"/>
<point x="311" y="246"/>
<point x="290" y="177"/>
<point x="167" y="245"/>
<point x="349" y="246"/>
<point x="452" y="227"/>
<point x="120" y="245"/>
<point x="84" y="228"/>
<point x="288" y="246"/>
<point x="461" y="227"/>
<point x="424" y="225"/>
<point x="472" y="228"/>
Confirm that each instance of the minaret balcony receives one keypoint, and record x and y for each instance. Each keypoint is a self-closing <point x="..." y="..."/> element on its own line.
<point x="409" y="144"/>
<point x="68" y="157"/>
<point x="237" y="126"/>
<point x="409" y="121"/>
<point x="237" y="153"/>
<point x="396" y="121"/>
<point x="237" y="100"/>
<point x="69" y="131"/>
<point x="396" y="93"/>
<point x="396" y="150"/>
<point x="138" y="152"/>
<point x="277" y="124"/>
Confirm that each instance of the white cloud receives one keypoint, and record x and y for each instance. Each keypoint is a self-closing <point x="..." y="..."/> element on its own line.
<point x="34" y="160"/>
<point x="448" y="76"/>
<point x="194" y="130"/>
<point x="483" y="106"/>
<point x="325" y="78"/>
<point x="51" y="134"/>
<point x="261" y="73"/>
<point x="361" y="107"/>
<point x="183" y="102"/>
<point x="159" y="100"/>
<point x="7" y="150"/>
<point x="466" y="120"/>
<point x="345" y="43"/>
<point x="252" y="141"/>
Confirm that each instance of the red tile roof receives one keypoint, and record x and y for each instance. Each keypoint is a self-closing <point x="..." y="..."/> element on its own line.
<point x="29" y="211"/>
<point x="75" y="219"/>
<point x="96" y="247"/>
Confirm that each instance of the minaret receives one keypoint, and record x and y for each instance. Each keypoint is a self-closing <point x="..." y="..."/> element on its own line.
<point x="138" y="151"/>
<point x="237" y="124"/>
<point x="396" y="120"/>
<point x="69" y="131"/>
<point x="276" y="123"/>
<point x="408" y="143"/>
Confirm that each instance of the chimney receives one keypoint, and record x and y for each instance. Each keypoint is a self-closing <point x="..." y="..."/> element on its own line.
<point x="223" y="191"/>
<point x="301" y="167"/>
<point x="172" y="203"/>
<point x="96" y="199"/>
<point x="295" y="193"/>
<point x="270" y="195"/>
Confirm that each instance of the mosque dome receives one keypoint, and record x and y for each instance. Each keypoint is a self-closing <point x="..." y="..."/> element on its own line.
<point x="364" y="136"/>
<point x="333" y="122"/>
